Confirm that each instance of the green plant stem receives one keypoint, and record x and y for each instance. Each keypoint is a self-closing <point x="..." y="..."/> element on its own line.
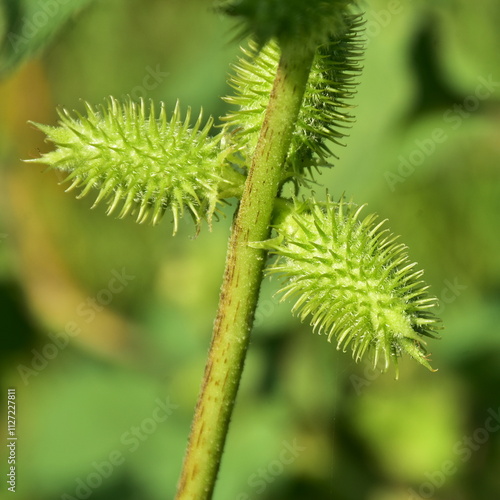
<point x="242" y="279"/>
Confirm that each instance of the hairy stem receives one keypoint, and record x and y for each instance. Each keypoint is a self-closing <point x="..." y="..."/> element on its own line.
<point x="242" y="279"/>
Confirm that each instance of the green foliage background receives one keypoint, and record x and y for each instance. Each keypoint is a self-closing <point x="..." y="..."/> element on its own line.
<point x="361" y="435"/>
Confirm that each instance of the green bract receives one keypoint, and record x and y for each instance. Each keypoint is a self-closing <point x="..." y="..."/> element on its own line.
<point x="353" y="281"/>
<point x="147" y="164"/>
<point x="308" y="21"/>
<point x="325" y="112"/>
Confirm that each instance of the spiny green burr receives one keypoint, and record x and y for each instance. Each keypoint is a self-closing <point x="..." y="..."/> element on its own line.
<point x="353" y="281"/>
<point x="147" y="164"/>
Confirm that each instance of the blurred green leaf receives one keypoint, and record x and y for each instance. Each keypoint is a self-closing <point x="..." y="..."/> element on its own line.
<point x="95" y="418"/>
<point x="469" y="43"/>
<point x="410" y="431"/>
<point x="26" y="26"/>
